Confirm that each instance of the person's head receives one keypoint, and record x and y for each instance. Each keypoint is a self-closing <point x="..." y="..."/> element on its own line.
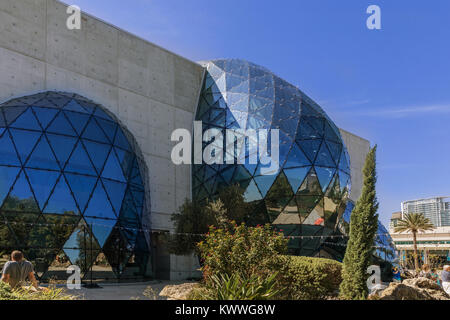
<point x="16" y="255"/>
<point x="447" y="268"/>
<point x="426" y="267"/>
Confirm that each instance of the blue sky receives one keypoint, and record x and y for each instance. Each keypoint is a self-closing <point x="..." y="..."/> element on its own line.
<point x="390" y="86"/>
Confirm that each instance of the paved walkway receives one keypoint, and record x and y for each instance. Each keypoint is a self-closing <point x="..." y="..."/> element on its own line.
<point x="124" y="291"/>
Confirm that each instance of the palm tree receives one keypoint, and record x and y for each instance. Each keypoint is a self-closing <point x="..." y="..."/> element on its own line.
<point x="414" y="223"/>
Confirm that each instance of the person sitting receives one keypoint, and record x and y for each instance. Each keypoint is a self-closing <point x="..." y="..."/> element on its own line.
<point x="426" y="271"/>
<point x="16" y="271"/>
<point x="445" y="277"/>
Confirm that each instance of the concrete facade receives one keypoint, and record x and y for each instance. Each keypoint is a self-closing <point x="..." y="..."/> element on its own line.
<point x="357" y="148"/>
<point x="151" y="90"/>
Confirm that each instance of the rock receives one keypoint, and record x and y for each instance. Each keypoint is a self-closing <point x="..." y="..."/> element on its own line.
<point x="412" y="289"/>
<point x="179" y="291"/>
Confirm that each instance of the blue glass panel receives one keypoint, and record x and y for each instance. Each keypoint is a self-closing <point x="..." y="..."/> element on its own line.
<point x="82" y="187"/>
<point x="316" y="123"/>
<point x="21" y="199"/>
<point x="325" y="175"/>
<point x="128" y="213"/>
<point x="331" y="133"/>
<point x="79" y="162"/>
<point x="335" y="149"/>
<point x="45" y="115"/>
<point x="324" y="157"/>
<point x="115" y="191"/>
<point x="2" y="130"/>
<point x="252" y="193"/>
<point x="307" y="110"/>
<point x="42" y="182"/>
<point x="135" y="175"/>
<point x="126" y="160"/>
<point x="138" y="196"/>
<point x="61" y="125"/>
<point x="61" y="200"/>
<point x="343" y="180"/>
<point x="311" y="148"/>
<point x="45" y="102"/>
<point x="62" y="146"/>
<point x="59" y="100"/>
<point x="296" y="158"/>
<point x="24" y="141"/>
<point x="102" y="114"/>
<point x="305" y="131"/>
<point x="78" y="120"/>
<point x="74" y="106"/>
<point x="27" y="120"/>
<point x="7" y="176"/>
<point x="2" y="120"/>
<point x="343" y="163"/>
<point x="121" y="140"/>
<point x="42" y="156"/>
<point x="109" y="128"/>
<point x="8" y="155"/>
<point x="98" y="153"/>
<point x="112" y="169"/>
<point x="265" y="182"/>
<point x="11" y="113"/>
<point x="296" y="176"/>
<point x="99" y="205"/>
<point x="101" y="228"/>
<point x="93" y="132"/>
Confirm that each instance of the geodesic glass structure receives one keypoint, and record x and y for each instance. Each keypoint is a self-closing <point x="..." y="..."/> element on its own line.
<point x="306" y="197"/>
<point x="72" y="188"/>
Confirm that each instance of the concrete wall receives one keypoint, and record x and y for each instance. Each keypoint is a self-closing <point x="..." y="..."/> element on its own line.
<point x="152" y="91"/>
<point x="357" y="148"/>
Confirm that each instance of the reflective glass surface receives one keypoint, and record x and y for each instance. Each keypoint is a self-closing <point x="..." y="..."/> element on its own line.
<point x="307" y="195"/>
<point x="71" y="188"/>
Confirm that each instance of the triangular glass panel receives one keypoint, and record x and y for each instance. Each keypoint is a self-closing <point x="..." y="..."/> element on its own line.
<point x="310" y="148"/>
<point x="335" y="149"/>
<point x="7" y="177"/>
<point x="81" y="187"/>
<point x="21" y="199"/>
<point x="42" y="183"/>
<point x="109" y="128"/>
<point x="61" y="125"/>
<point x="116" y="192"/>
<point x="101" y="228"/>
<point x="78" y="120"/>
<point x="79" y="162"/>
<point x="310" y="185"/>
<point x="306" y="204"/>
<point x="56" y="231"/>
<point x="58" y="99"/>
<point x="121" y="140"/>
<point x="93" y="132"/>
<point x="74" y="106"/>
<point x="45" y="115"/>
<point x="316" y="123"/>
<point x="343" y="163"/>
<point x="12" y="113"/>
<point x="126" y="160"/>
<point x="296" y="158"/>
<point x="308" y="110"/>
<point x="252" y="193"/>
<point x="278" y="196"/>
<point x="112" y="169"/>
<point x="27" y="120"/>
<point x="98" y="153"/>
<point x="344" y="179"/>
<point x="102" y="114"/>
<point x="99" y="206"/>
<point x="296" y="176"/>
<point x="264" y="183"/>
<point x="24" y="141"/>
<point x="61" y="201"/>
<point x="305" y="131"/>
<point x="8" y="155"/>
<point x="21" y="225"/>
<point x="62" y="146"/>
<point x="324" y="157"/>
<point x="325" y="175"/>
<point x="331" y="134"/>
<point x="42" y="156"/>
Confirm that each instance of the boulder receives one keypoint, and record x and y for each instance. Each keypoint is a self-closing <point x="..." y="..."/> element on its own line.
<point x="179" y="291"/>
<point x="412" y="289"/>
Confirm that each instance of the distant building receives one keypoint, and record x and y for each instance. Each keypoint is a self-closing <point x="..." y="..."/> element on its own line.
<point x="434" y="245"/>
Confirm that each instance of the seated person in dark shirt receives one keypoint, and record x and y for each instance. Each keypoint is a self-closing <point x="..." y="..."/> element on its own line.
<point x="16" y="271"/>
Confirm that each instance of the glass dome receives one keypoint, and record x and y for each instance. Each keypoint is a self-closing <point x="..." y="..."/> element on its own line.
<point x="72" y="188"/>
<point x="307" y="195"/>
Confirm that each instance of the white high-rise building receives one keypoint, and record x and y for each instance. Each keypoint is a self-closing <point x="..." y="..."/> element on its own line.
<point x="436" y="209"/>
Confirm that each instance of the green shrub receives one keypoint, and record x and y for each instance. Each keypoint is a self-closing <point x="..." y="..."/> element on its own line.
<point x="244" y="250"/>
<point x="236" y="287"/>
<point x="7" y="293"/>
<point x="307" y="278"/>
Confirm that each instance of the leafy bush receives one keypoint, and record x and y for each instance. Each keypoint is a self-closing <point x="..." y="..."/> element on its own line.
<point x="307" y="278"/>
<point x="7" y="293"/>
<point x="244" y="250"/>
<point x="236" y="287"/>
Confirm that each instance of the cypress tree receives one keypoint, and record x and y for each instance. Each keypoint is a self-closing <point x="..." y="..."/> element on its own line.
<point x="363" y="228"/>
